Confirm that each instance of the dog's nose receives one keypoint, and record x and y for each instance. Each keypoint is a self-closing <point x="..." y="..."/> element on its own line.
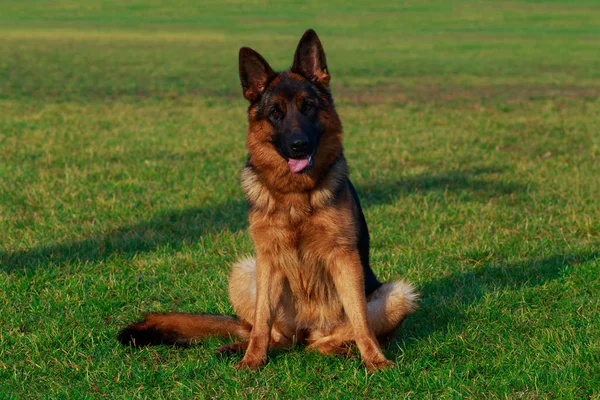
<point x="299" y="144"/>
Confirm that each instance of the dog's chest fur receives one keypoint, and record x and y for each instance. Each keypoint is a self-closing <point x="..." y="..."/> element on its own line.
<point x="298" y="231"/>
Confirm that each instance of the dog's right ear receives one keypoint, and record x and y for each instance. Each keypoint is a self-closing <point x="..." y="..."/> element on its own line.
<point x="255" y="73"/>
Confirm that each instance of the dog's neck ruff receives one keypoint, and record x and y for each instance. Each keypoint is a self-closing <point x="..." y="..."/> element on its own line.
<point x="260" y="195"/>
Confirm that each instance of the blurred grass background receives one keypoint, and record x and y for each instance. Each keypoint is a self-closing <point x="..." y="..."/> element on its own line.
<point x="152" y="48"/>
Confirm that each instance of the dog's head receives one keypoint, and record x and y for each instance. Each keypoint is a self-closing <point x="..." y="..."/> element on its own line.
<point x="292" y="117"/>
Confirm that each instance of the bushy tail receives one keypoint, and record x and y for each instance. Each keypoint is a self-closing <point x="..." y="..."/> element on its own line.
<point x="181" y="329"/>
<point x="388" y="306"/>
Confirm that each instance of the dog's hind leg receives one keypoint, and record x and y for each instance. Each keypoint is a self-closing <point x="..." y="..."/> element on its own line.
<point x="242" y="294"/>
<point x="242" y="288"/>
<point x="387" y="307"/>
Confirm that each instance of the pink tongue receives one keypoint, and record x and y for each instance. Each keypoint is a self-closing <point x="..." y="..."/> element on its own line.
<point x="297" y="165"/>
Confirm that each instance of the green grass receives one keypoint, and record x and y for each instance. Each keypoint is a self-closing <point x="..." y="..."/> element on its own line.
<point x="471" y="129"/>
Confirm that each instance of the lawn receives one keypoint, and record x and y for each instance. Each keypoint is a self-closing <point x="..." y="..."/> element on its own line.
<point x="472" y="134"/>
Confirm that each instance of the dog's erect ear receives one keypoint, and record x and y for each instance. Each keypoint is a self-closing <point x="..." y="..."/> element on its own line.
<point x="255" y="73"/>
<point x="309" y="59"/>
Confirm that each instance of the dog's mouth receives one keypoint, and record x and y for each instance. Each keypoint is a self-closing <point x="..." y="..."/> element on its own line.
<point x="298" y="165"/>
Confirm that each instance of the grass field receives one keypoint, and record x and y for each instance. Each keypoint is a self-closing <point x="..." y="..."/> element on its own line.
<point x="472" y="133"/>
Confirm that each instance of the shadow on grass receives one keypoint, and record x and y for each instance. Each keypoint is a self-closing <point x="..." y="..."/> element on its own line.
<point x="174" y="229"/>
<point x="443" y="301"/>
<point x="478" y="184"/>
<point x="187" y="226"/>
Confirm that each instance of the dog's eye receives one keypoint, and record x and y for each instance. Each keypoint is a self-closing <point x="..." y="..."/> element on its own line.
<point x="276" y="113"/>
<point x="307" y="106"/>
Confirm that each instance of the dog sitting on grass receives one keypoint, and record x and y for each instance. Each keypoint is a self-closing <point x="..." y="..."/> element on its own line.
<point x="310" y="282"/>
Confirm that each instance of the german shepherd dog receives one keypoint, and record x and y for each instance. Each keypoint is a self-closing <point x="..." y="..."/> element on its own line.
<point x="310" y="282"/>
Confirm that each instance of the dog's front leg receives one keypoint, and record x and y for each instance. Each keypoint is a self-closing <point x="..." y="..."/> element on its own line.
<point x="269" y="287"/>
<point x="349" y="282"/>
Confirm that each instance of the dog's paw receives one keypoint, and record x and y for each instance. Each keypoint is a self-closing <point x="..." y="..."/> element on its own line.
<point x="251" y="365"/>
<point x="378" y="365"/>
<point x="231" y="349"/>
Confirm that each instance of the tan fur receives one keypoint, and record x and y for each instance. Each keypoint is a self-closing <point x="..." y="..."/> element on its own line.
<point x="310" y="246"/>
<point x="386" y="307"/>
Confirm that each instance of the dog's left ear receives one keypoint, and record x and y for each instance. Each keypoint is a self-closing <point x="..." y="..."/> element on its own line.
<point x="310" y="60"/>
